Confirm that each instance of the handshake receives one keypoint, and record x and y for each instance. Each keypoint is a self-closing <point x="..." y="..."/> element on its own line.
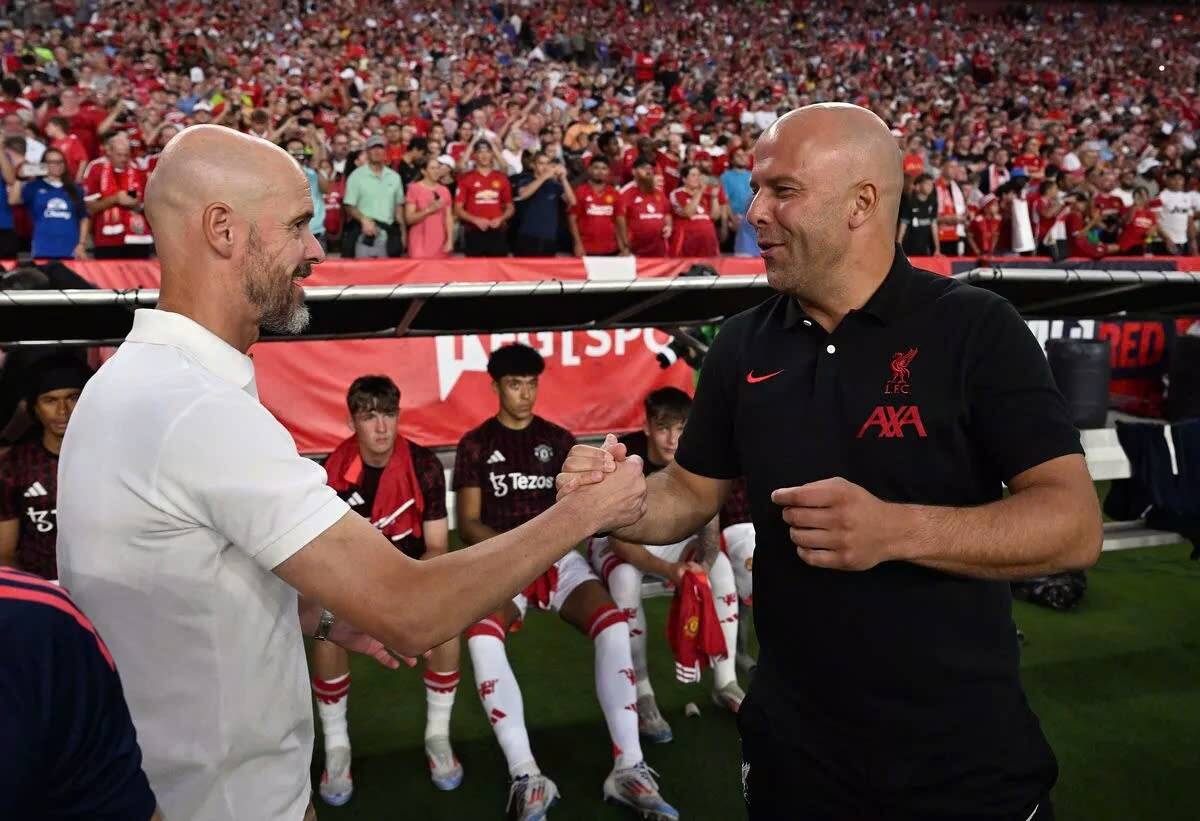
<point x="605" y="483"/>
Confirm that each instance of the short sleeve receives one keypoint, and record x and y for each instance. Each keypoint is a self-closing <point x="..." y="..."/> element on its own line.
<point x="431" y="478"/>
<point x="9" y="503"/>
<point x="28" y="193"/>
<point x="1017" y="417"/>
<point x="460" y="196"/>
<point x="467" y="463"/>
<point x="708" y="447"/>
<point x="506" y="191"/>
<point x="230" y="466"/>
<point x="578" y="209"/>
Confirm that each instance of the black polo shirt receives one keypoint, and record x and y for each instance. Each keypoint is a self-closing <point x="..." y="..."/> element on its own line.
<point x="900" y="681"/>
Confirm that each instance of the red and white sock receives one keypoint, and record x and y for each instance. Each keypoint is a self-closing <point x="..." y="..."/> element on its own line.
<point x="725" y="600"/>
<point x="439" y="701"/>
<point x="625" y="586"/>
<point x="500" y="695"/>
<point x="333" y="697"/>
<point x="615" y="688"/>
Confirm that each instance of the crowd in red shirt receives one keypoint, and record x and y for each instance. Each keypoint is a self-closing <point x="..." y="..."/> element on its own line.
<point x="1101" y="101"/>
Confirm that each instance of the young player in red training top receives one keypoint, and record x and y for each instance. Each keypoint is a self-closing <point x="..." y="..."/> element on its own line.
<point x="622" y="565"/>
<point x="504" y="475"/>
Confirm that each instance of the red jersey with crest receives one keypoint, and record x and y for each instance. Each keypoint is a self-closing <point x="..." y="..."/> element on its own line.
<point x="1141" y="222"/>
<point x="29" y="493"/>
<point x="513" y="469"/>
<point x="484" y="195"/>
<point x="693" y="629"/>
<point x="645" y="217"/>
<point x="596" y="212"/>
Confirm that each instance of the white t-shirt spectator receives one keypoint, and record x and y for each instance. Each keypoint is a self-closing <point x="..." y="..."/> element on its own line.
<point x="1178" y="208"/>
<point x="178" y="494"/>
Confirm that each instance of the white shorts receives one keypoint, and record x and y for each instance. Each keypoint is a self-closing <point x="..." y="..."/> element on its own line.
<point x="604" y="560"/>
<point x="573" y="571"/>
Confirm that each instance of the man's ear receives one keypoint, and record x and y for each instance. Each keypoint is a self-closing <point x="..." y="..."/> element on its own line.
<point x="865" y="204"/>
<point x="219" y="230"/>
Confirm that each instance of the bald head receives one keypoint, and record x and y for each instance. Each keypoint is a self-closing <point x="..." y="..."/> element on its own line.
<point x="828" y="181"/>
<point x="207" y="164"/>
<point x="849" y="140"/>
<point x="231" y="217"/>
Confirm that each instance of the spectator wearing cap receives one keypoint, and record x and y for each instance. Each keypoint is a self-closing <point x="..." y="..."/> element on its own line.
<point x="484" y="203"/>
<point x="917" y="232"/>
<point x="375" y="198"/>
<point x="542" y="190"/>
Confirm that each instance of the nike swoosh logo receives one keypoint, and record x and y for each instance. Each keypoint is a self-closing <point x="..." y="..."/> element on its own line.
<point x="754" y="380"/>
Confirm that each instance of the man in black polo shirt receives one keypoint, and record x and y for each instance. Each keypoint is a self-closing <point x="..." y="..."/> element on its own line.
<point x="876" y="411"/>
<point x="918" y="219"/>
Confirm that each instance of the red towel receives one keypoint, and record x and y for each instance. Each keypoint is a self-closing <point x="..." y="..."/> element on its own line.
<point x="539" y="592"/>
<point x="399" y="507"/>
<point x="693" y="630"/>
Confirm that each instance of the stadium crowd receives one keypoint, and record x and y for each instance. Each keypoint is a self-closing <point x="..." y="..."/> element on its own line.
<point x="584" y="126"/>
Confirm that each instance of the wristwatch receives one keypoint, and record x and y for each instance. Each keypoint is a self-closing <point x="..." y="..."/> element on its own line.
<point x="323" y="626"/>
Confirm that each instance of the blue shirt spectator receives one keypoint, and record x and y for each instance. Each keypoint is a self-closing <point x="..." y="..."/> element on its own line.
<point x="66" y="739"/>
<point x="55" y="206"/>
<point x="736" y="184"/>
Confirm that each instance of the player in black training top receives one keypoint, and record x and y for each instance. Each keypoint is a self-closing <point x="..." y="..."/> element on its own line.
<point x="623" y="564"/>
<point x="400" y="487"/>
<point x="68" y="750"/>
<point x="504" y="475"/>
<point x="29" y="472"/>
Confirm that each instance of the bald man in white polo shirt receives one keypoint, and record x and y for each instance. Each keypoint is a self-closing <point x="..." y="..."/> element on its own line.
<point x="188" y="521"/>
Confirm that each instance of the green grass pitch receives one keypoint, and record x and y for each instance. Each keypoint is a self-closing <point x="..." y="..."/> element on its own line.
<point x="1116" y="684"/>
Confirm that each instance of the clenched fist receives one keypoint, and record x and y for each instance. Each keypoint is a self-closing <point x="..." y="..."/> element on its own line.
<point x="619" y="498"/>
<point x="835" y="523"/>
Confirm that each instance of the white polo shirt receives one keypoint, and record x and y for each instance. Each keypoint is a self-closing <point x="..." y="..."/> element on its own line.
<point x="178" y="493"/>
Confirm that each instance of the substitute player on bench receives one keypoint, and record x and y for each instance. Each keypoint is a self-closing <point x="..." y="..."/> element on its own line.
<point x="400" y="488"/>
<point x="623" y="564"/>
<point x="504" y="475"/>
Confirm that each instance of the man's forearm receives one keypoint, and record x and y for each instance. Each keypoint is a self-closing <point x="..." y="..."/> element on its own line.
<point x="452" y="592"/>
<point x="673" y="512"/>
<point x="709" y="542"/>
<point x="1031" y="533"/>
<point x="641" y="558"/>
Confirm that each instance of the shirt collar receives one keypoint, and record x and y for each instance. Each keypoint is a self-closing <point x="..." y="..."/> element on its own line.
<point x="891" y="299"/>
<point x="155" y="327"/>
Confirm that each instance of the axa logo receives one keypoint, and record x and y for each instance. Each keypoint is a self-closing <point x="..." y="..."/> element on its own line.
<point x="892" y="421"/>
<point x="899" y="383"/>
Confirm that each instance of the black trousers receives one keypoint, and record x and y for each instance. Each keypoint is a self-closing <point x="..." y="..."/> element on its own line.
<point x="10" y="243"/>
<point x="777" y="786"/>
<point x="529" y="246"/>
